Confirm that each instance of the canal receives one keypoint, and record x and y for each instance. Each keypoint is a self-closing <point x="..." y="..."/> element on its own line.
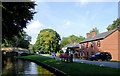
<point x="19" y="67"/>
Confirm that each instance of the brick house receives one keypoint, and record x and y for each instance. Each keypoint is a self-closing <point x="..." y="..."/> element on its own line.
<point x="104" y="42"/>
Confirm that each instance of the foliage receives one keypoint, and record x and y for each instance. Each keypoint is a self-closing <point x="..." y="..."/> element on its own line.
<point x="33" y="49"/>
<point x="114" y="25"/>
<point x="75" y="38"/>
<point x="23" y="54"/>
<point x="15" y="16"/>
<point x="58" y="53"/>
<point x="16" y="41"/>
<point x="64" y="41"/>
<point x="94" y="29"/>
<point x="61" y="51"/>
<point x="30" y="46"/>
<point x="47" y="41"/>
<point x="71" y="38"/>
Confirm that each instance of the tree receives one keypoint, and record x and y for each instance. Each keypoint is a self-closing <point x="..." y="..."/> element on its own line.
<point x="114" y="25"/>
<point x="73" y="38"/>
<point x="15" y="16"/>
<point x="94" y="29"/>
<point x="47" y="41"/>
<point x="23" y="41"/>
<point x="65" y="41"/>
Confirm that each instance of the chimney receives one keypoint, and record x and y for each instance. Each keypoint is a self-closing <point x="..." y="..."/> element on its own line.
<point x="93" y="33"/>
<point x="87" y="35"/>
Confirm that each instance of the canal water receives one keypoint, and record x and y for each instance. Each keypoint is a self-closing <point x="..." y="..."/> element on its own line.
<point x="19" y="67"/>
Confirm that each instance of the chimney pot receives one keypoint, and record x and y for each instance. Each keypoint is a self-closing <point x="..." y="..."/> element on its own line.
<point x="87" y="35"/>
<point x="93" y="33"/>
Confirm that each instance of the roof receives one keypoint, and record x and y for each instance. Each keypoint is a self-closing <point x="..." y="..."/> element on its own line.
<point x="98" y="36"/>
<point x="72" y="45"/>
<point x="76" y="45"/>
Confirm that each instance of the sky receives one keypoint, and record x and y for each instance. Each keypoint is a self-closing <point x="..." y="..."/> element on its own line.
<point x="72" y="18"/>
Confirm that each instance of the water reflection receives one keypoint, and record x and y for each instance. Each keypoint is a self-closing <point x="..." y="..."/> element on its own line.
<point x="18" y="67"/>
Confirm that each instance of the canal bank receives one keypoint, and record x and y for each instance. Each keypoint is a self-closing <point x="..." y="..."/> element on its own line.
<point x="48" y="67"/>
<point x="74" y="68"/>
<point x="20" y="67"/>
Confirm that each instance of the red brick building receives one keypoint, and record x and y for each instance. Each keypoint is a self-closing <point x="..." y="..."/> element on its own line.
<point x="104" y="42"/>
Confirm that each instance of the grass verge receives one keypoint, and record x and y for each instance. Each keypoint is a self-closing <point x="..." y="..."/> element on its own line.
<point x="74" y="68"/>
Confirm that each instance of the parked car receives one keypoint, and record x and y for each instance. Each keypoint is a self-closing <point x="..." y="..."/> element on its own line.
<point x="63" y="55"/>
<point x="101" y="55"/>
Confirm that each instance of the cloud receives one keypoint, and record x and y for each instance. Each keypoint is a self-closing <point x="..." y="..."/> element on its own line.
<point x="33" y="30"/>
<point x="81" y="3"/>
<point x="68" y="23"/>
<point x="62" y="28"/>
<point x="65" y="26"/>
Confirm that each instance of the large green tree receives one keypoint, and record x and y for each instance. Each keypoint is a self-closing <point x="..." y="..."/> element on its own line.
<point x="114" y="25"/>
<point x="47" y="41"/>
<point x="15" y="16"/>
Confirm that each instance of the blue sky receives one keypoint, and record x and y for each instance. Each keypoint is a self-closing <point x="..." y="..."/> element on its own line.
<point x="72" y="18"/>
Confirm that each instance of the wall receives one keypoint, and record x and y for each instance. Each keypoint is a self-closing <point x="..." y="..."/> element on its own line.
<point x="90" y="49"/>
<point x="109" y="44"/>
<point x="119" y="45"/>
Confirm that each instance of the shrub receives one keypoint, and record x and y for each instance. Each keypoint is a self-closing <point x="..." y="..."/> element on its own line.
<point x="61" y="51"/>
<point x="81" y="57"/>
<point x="24" y="54"/>
<point x="57" y="53"/>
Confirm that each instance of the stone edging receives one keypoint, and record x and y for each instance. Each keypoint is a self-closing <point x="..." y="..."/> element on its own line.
<point x="50" y="68"/>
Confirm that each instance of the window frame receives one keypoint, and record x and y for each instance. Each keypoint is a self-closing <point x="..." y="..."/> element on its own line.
<point x="98" y="43"/>
<point x="92" y="44"/>
<point x="83" y="46"/>
<point x="80" y="46"/>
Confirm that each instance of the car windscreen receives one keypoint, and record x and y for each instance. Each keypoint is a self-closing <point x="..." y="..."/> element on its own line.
<point x="98" y="53"/>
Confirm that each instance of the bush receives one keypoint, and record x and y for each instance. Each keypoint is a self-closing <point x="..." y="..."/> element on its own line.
<point x="31" y="54"/>
<point x="57" y="53"/>
<point x="61" y="51"/>
<point x="24" y="54"/>
<point x="81" y="57"/>
<point x="46" y="52"/>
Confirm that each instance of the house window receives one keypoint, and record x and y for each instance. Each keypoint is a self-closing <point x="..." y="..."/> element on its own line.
<point x="87" y="45"/>
<point x="91" y="44"/>
<point x="80" y="46"/>
<point x="83" y="46"/>
<point x="98" y="43"/>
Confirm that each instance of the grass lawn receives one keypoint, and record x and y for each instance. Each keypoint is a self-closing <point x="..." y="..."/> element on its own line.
<point x="73" y="68"/>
